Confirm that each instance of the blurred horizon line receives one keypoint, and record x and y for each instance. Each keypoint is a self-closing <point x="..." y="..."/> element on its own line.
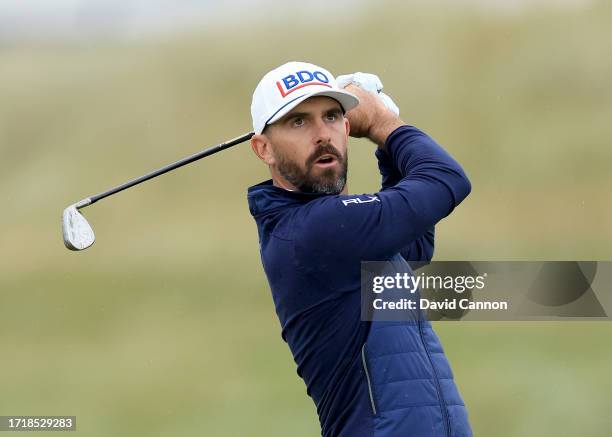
<point x="90" y="20"/>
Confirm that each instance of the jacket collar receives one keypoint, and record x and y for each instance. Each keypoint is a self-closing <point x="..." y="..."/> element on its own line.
<point x="266" y="197"/>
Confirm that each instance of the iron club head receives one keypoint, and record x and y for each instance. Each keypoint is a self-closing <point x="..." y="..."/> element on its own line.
<point x="78" y="234"/>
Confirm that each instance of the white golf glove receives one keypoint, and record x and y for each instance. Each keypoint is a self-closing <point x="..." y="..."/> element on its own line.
<point x="369" y="82"/>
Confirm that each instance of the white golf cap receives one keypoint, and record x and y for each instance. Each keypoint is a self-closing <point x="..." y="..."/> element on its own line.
<point x="285" y="87"/>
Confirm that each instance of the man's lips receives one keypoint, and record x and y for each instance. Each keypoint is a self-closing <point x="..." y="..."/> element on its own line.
<point x="327" y="160"/>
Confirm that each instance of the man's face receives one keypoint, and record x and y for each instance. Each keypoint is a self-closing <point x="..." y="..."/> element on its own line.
<point x="309" y="146"/>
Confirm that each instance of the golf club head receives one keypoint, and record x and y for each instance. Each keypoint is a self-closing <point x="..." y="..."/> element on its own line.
<point x="78" y="234"/>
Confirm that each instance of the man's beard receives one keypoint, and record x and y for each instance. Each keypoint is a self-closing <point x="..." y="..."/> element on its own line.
<point x="329" y="181"/>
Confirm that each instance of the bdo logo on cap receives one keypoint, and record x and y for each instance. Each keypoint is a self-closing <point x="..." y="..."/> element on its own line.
<point x="301" y="79"/>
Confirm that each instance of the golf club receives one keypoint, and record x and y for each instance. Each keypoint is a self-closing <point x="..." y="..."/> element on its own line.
<point x="77" y="231"/>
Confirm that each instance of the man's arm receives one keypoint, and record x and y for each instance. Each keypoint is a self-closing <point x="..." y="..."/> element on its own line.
<point x="420" y="251"/>
<point x="376" y="227"/>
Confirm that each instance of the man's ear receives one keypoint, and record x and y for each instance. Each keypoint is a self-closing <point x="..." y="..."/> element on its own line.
<point x="347" y="125"/>
<point x="262" y="148"/>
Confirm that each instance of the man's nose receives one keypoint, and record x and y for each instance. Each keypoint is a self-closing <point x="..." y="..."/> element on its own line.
<point x="322" y="133"/>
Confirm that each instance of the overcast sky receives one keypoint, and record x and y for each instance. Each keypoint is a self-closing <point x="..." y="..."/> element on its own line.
<point x="33" y="19"/>
<point x="65" y="19"/>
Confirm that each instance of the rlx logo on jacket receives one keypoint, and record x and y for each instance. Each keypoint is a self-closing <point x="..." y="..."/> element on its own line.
<point x="358" y="200"/>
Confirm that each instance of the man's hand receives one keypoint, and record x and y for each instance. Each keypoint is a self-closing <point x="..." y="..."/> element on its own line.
<point x="371" y="118"/>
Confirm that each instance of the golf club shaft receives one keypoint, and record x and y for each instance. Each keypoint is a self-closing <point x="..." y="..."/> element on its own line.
<point x="204" y="153"/>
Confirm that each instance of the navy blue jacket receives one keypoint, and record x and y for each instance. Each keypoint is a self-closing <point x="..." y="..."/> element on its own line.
<point x="367" y="379"/>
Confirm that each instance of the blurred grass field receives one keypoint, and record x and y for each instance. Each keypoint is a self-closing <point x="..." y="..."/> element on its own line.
<point x="166" y="326"/>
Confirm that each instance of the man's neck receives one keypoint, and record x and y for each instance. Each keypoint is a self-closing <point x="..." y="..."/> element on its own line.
<point x="282" y="183"/>
<point x="286" y="185"/>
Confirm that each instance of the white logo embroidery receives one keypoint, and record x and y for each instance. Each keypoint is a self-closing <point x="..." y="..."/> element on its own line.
<point x="358" y="201"/>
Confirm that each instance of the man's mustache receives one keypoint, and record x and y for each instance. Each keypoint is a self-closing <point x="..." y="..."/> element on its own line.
<point x="326" y="149"/>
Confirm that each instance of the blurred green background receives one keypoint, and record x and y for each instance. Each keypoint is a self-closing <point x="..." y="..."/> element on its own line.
<point x="166" y="327"/>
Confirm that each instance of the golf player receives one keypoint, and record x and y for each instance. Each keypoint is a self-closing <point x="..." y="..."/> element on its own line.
<point x="367" y="379"/>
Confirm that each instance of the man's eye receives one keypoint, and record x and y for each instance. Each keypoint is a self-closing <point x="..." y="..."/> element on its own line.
<point x="332" y="117"/>
<point x="298" y="122"/>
